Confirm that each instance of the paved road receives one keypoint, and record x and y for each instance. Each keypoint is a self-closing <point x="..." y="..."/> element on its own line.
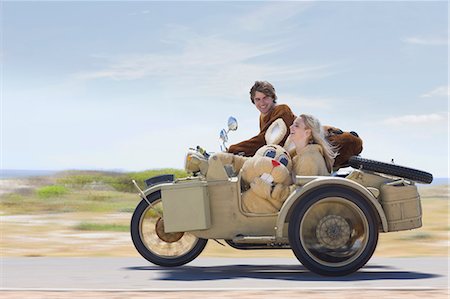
<point x="215" y="274"/>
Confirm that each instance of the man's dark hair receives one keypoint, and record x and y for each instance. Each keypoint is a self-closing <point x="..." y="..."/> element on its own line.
<point x="264" y="87"/>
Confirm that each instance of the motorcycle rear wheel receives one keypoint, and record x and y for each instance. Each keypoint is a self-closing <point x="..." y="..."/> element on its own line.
<point x="159" y="248"/>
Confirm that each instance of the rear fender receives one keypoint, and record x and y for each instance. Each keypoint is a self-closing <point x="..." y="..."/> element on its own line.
<point x="325" y="182"/>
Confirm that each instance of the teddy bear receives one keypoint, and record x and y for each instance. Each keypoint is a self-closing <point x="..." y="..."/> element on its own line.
<point x="347" y="144"/>
<point x="266" y="176"/>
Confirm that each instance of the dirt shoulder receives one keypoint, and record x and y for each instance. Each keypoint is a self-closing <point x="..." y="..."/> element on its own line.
<point x="63" y="234"/>
<point x="92" y="222"/>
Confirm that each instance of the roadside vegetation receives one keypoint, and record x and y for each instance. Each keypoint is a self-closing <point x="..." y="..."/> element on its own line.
<point x="87" y="213"/>
<point x="118" y="181"/>
<point x="89" y="226"/>
<point x="79" y="191"/>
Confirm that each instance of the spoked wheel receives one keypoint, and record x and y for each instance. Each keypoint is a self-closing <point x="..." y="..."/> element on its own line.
<point x="156" y="246"/>
<point x="333" y="233"/>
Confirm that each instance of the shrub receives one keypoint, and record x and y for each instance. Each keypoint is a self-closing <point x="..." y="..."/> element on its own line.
<point x="88" y="226"/>
<point x="51" y="191"/>
<point x="140" y="177"/>
<point x="119" y="181"/>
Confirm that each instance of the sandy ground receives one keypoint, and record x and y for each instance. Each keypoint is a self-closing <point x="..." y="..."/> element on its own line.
<point x="12" y="185"/>
<point x="55" y="235"/>
<point x="335" y="294"/>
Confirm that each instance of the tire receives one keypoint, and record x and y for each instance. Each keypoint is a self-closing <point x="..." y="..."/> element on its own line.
<point x="391" y="169"/>
<point x="181" y="249"/>
<point x="333" y="232"/>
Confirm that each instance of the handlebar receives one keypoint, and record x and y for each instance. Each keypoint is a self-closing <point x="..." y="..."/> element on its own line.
<point x="202" y="151"/>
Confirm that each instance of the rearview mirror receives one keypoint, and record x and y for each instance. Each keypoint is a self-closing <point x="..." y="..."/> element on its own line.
<point x="232" y="124"/>
<point x="223" y="136"/>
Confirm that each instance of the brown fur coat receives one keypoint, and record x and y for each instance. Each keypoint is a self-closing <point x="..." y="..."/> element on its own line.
<point x="347" y="144"/>
<point x="249" y="147"/>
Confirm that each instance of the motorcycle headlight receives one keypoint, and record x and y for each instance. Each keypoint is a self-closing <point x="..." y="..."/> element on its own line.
<point x="195" y="162"/>
<point x="189" y="164"/>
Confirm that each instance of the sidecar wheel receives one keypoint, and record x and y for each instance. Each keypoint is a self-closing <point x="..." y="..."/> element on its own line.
<point x="333" y="232"/>
<point x="164" y="249"/>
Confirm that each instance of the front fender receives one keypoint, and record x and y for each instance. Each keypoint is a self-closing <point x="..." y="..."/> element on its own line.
<point x="321" y="182"/>
<point x="157" y="187"/>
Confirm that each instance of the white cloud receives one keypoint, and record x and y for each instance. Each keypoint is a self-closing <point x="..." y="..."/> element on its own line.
<point x="301" y="104"/>
<point x="207" y="64"/>
<point x="275" y="12"/>
<point x="426" y="41"/>
<point x="440" y="91"/>
<point x="412" y="119"/>
<point x="187" y="52"/>
<point x="198" y="55"/>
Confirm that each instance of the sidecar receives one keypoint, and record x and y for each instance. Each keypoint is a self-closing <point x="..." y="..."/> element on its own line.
<point x="331" y="223"/>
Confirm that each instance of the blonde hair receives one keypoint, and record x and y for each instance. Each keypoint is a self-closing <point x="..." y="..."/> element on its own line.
<point x="318" y="137"/>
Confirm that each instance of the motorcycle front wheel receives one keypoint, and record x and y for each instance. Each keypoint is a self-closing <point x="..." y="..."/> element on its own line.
<point x="156" y="246"/>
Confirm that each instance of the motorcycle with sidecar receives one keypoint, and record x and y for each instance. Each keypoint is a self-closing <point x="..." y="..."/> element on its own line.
<point x="331" y="223"/>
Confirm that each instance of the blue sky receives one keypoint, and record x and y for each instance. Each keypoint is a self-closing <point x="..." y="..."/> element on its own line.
<point x="132" y="85"/>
